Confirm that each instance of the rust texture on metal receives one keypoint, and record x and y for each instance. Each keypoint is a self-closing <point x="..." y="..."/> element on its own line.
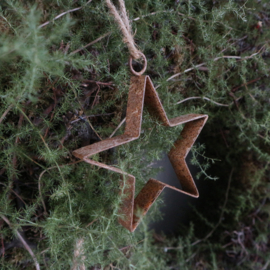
<point x="143" y="92"/>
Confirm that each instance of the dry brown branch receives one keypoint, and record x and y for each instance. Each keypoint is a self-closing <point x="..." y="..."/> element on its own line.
<point x="26" y="246"/>
<point x="245" y="84"/>
<point x="16" y="194"/>
<point x="2" y="171"/>
<point x="96" y="97"/>
<point x="91" y="222"/>
<point x="6" y="112"/>
<point x="97" y="82"/>
<point x="14" y="159"/>
<point x="3" y="247"/>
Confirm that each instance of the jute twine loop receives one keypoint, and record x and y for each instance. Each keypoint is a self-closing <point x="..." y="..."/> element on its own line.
<point x="122" y="20"/>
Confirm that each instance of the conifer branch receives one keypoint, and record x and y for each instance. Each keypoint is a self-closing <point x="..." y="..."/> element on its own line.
<point x="39" y="181"/>
<point x="49" y="150"/>
<point x="173" y="41"/>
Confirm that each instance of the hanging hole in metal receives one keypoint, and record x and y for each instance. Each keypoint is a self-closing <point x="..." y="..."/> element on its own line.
<point x="144" y="67"/>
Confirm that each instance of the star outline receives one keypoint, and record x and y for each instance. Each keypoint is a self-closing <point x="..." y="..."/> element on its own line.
<point x="142" y="92"/>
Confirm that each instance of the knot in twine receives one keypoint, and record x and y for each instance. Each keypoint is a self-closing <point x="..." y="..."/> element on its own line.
<point x="123" y="22"/>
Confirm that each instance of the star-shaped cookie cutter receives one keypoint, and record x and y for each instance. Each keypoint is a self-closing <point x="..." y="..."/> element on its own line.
<point x="143" y="92"/>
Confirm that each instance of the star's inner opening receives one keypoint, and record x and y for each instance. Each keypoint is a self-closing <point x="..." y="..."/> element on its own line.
<point x="176" y="205"/>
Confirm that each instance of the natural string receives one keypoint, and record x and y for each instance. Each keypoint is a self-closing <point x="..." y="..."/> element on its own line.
<point x="123" y="22"/>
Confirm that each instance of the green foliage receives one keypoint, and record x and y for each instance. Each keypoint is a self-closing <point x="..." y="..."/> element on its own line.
<point x="217" y="55"/>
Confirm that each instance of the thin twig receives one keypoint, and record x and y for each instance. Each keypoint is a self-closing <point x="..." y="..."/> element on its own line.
<point x="150" y="14"/>
<point x="62" y="14"/>
<point x="266" y="265"/>
<point x="91" y="43"/>
<point x="14" y="192"/>
<point x="89" y="116"/>
<point x="122" y="122"/>
<point x="96" y="97"/>
<point x="260" y="207"/>
<point x="163" y="11"/>
<point x="26" y="246"/>
<point x="45" y="250"/>
<point x="6" y="112"/>
<point x="3" y="247"/>
<point x="222" y="212"/>
<point x="2" y="171"/>
<point x="97" y="82"/>
<point x="231" y="94"/>
<point x="215" y="59"/>
<point x="219" y="221"/>
<point x="91" y="222"/>
<point x="205" y="98"/>
<point x="9" y="24"/>
<point x="224" y="138"/>
<point x="237" y="40"/>
<point x="39" y="181"/>
<point x="245" y="84"/>
<point x="89" y="121"/>
<point x="14" y="159"/>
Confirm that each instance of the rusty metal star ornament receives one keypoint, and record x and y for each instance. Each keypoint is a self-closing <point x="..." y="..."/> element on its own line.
<point x="143" y="92"/>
